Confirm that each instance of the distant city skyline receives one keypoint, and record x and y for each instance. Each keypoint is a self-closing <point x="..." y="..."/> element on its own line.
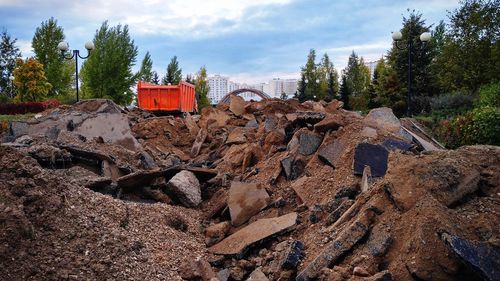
<point x="249" y="40"/>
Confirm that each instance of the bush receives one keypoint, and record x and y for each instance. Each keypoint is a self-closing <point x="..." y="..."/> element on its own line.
<point x="448" y="105"/>
<point x="489" y="95"/>
<point x="27" y="107"/>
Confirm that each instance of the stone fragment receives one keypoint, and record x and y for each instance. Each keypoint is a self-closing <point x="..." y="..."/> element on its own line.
<point x="291" y="257"/>
<point x="186" y="187"/>
<point x="333" y="251"/>
<point x="311" y="117"/>
<point x="237" y="136"/>
<point x="138" y="179"/>
<point x="309" y="143"/>
<point x="246" y="200"/>
<point x="198" y="142"/>
<point x="257" y="275"/>
<point x="359" y="271"/>
<point x="384" y="119"/>
<point x="300" y="187"/>
<point x="381" y="276"/>
<point x="110" y="170"/>
<point x="427" y="146"/>
<point x="481" y="257"/>
<point x="252" y="124"/>
<point x="238" y="242"/>
<point x="332" y="122"/>
<point x="371" y="155"/>
<point x="393" y="144"/>
<point x="339" y="211"/>
<point x="237" y="105"/>
<point x="218" y="231"/>
<point x="196" y="269"/>
<point x="369" y="132"/>
<point x="365" y="179"/>
<point x="191" y="124"/>
<point x="223" y="275"/>
<point x="332" y="153"/>
<point x="18" y="128"/>
<point x="380" y="243"/>
<point x="147" y="162"/>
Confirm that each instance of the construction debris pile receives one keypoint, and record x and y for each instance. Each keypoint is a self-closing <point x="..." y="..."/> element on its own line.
<point x="269" y="190"/>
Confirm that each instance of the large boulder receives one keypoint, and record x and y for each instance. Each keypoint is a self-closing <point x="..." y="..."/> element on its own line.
<point x="186" y="188"/>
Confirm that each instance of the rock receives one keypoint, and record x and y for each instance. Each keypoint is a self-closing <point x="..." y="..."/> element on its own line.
<point x="481" y="257"/>
<point x="291" y="257"/>
<point x="246" y="200"/>
<point x="138" y="179"/>
<point x="339" y="211"/>
<point x="191" y="124"/>
<point x="337" y="248"/>
<point x="427" y="146"/>
<point x="309" y="143"/>
<point x="223" y="275"/>
<point x="379" y="243"/>
<point x="18" y="129"/>
<point x="237" y="273"/>
<point x="218" y="231"/>
<point x="157" y="195"/>
<point x="300" y="186"/>
<point x="237" y="136"/>
<point x="257" y="275"/>
<point x="270" y="123"/>
<point x="197" y="269"/>
<point x="186" y="187"/>
<point x="310" y="117"/>
<point x="238" y="242"/>
<point x="110" y="170"/>
<point x="371" y="155"/>
<point x="252" y="124"/>
<point x="332" y="153"/>
<point x="332" y="122"/>
<point x="198" y="142"/>
<point x="292" y="167"/>
<point x="359" y="271"/>
<point x="384" y="119"/>
<point x="237" y="105"/>
<point x="393" y="144"/>
<point x="369" y="132"/>
<point x="381" y="276"/>
<point x="213" y="117"/>
<point x="365" y="179"/>
<point x="147" y="162"/>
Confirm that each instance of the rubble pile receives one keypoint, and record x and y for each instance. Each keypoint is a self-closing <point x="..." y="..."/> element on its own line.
<point x="268" y="190"/>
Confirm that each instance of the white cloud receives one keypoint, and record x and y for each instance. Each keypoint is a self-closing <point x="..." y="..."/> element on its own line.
<point x="25" y="48"/>
<point x="253" y="78"/>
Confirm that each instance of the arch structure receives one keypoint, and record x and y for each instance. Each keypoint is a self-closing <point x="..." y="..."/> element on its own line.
<point x="227" y="97"/>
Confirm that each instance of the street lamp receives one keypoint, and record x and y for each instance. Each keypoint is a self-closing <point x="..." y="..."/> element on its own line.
<point x="11" y="78"/>
<point x="397" y="36"/>
<point x="64" y="46"/>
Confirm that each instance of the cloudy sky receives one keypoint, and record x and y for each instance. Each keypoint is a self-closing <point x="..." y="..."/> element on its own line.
<point x="248" y="40"/>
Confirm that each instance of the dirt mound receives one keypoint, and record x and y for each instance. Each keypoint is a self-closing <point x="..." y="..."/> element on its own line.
<point x="289" y="191"/>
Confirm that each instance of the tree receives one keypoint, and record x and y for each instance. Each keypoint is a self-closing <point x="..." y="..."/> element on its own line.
<point x="189" y="79"/>
<point x="387" y="88"/>
<point x="357" y="80"/>
<point x="146" y="72"/>
<point x="9" y="53"/>
<point x="202" y="88"/>
<point x="107" y="73"/>
<point x="283" y="96"/>
<point x="174" y="73"/>
<point x="344" y="92"/>
<point x="301" y="88"/>
<point x="470" y="56"/>
<point x="156" y="79"/>
<point x="310" y="77"/>
<point x="30" y="81"/>
<point x="59" y="72"/>
<point x="328" y="79"/>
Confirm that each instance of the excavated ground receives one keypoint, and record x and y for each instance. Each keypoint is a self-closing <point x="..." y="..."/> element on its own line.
<point x="268" y="190"/>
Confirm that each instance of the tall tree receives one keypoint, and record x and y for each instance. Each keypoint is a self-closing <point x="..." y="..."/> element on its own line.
<point x="301" y="88"/>
<point x="471" y="54"/>
<point x="107" y="73"/>
<point x="30" y="81"/>
<point x="357" y="76"/>
<point x="387" y="88"/>
<point x="189" y="79"/>
<point x="59" y="72"/>
<point x="202" y="88"/>
<point x="156" y="79"/>
<point x="146" y="71"/>
<point x="174" y="73"/>
<point x="9" y="53"/>
<point x="329" y="78"/>
<point x="344" y="92"/>
<point x="421" y="57"/>
<point x="311" y="77"/>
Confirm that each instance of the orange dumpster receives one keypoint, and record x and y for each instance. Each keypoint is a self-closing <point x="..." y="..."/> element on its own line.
<point x="180" y="98"/>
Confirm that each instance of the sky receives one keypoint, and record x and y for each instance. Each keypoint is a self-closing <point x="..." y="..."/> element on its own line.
<point x="250" y="41"/>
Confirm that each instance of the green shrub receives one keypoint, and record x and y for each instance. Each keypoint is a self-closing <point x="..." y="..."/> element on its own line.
<point x="452" y="104"/>
<point x="489" y="95"/>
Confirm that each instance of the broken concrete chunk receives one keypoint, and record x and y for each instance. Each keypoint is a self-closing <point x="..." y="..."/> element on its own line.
<point x="300" y="186"/>
<point x="198" y="142"/>
<point x="257" y="275"/>
<point x="380" y="243"/>
<point x="252" y="124"/>
<point x="197" y="269"/>
<point x="311" y="117"/>
<point x="237" y="105"/>
<point x="292" y="167"/>
<point x="478" y="256"/>
<point x="393" y="144"/>
<point x="309" y="143"/>
<point x="369" y="132"/>
<point x="366" y="179"/>
<point x="333" y="251"/>
<point x="147" y="162"/>
<point x="381" y="276"/>
<point x="331" y="122"/>
<point x="383" y="118"/>
<point x="371" y="155"/>
<point x="237" y="136"/>
<point x="332" y="153"/>
<point x="186" y="187"/>
<point x="238" y="242"/>
<point x="291" y="257"/>
<point x="17" y="129"/>
<point x="138" y="179"/>
<point x="246" y="200"/>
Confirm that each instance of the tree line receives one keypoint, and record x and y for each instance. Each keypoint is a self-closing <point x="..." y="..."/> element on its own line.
<point x="106" y="73"/>
<point x="461" y="60"/>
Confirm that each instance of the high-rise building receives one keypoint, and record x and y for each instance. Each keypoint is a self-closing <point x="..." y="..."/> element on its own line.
<point x="218" y="88"/>
<point x="276" y="87"/>
<point x="371" y="65"/>
<point x="290" y="87"/>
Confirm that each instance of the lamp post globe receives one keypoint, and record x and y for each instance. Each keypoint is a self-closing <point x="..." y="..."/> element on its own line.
<point x="89" y="45"/>
<point x="425" y="37"/>
<point x="63" y="46"/>
<point x="396" y="36"/>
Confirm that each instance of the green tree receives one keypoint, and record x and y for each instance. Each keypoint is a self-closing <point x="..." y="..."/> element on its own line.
<point x="421" y="57"/>
<point x="189" y="79"/>
<point x="174" y="73"/>
<point x="310" y="77"/>
<point x="9" y="53"/>
<point x="156" y="79"/>
<point x="59" y="72"/>
<point x="387" y="88"/>
<point x="470" y="56"/>
<point x="30" y="81"/>
<point x="344" y="92"/>
<point x="357" y="76"/>
<point x="329" y="79"/>
<point x="301" y="88"/>
<point x="107" y="73"/>
<point x="146" y="72"/>
<point x="202" y="88"/>
<point x="283" y="96"/>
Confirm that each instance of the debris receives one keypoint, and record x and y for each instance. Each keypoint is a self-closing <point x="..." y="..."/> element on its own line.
<point x="217" y="232"/>
<point x="384" y="119"/>
<point x="359" y="271"/>
<point x="238" y="242"/>
<point x="257" y="275"/>
<point x="310" y="117"/>
<point x="200" y="139"/>
<point x="332" y="153"/>
<point x="245" y="200"/>
<point x="366" y="179"/>
<point x="197" y="269"/>
<point x="186" y="187"/>
<point x="237" y="136"/>
<point x="308" y="143"/>
<point x="292" y="255"/>
<point x="369" y="132"/>
<point x="332" y="122"/>
<point x="393" y="144"/>
<point x="138" y="178"/>
<point x="237" y="105"/>
<point x="374" y="156"/>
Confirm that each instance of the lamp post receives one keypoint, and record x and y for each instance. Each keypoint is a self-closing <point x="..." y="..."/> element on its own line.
<point x="397" y="36"/>
<point x="11" y="78"/>
<point x="64" y="46"/>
